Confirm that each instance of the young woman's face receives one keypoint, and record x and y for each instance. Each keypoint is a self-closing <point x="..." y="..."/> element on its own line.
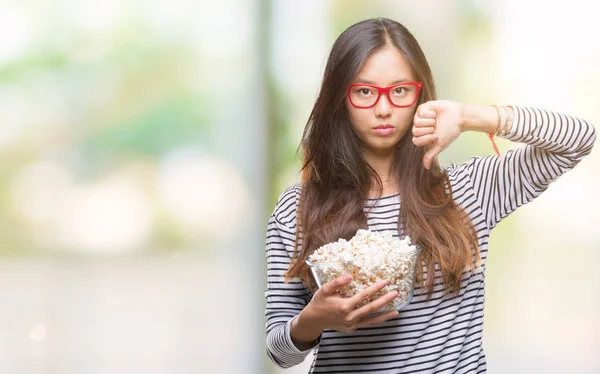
<point x="384" y="68"/>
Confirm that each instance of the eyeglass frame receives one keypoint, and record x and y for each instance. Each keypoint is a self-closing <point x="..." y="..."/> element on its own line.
<point x="386" y="91"/>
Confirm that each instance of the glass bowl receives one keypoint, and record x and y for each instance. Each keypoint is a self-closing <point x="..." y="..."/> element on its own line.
<point x="400" y="274"/>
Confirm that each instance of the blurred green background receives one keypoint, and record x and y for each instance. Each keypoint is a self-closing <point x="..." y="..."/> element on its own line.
<point x="143" y="145"/>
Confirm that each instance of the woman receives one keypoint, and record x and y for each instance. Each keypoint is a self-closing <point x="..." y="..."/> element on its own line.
<point x="369" y="149"/>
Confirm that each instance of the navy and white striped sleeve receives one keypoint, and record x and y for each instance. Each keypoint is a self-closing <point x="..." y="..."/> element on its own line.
<point x="284" y="301"/>
<point x="554" y="144"/>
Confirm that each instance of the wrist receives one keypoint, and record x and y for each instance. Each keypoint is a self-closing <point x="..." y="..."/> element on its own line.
<point x="482" y="118"/>
<point x="305" y="329"/>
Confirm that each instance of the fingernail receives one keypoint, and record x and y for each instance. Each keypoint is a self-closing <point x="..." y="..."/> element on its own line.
<point x="382" y="283"/>
<point x="395" y="294"/>
<point x="347" y="277"/>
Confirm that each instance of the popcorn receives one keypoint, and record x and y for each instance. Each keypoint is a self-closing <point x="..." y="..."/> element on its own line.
<point x="369" y="257"/>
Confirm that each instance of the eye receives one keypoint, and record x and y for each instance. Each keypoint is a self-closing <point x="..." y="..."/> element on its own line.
<point x="364" y="91"/>
<point x="399" y="90"/>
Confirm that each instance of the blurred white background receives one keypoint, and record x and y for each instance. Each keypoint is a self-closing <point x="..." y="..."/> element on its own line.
<point x="143" y="145"/>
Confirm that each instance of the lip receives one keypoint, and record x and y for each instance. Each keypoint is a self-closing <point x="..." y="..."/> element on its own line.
<point x="384" y="129"/>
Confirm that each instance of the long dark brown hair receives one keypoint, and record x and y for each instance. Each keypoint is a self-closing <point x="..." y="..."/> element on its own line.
<point x="336" y="179"/>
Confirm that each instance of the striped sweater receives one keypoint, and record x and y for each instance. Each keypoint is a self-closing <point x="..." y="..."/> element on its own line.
<point x="443" y="334"/>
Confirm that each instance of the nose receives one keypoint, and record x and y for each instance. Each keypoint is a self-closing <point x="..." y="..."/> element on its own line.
<point x="383" y="107"/>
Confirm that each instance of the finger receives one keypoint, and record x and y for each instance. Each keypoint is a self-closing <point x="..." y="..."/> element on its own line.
<point x="374" y="305"/>
<point x="424" y="122"/>
<point x="366" y="293"/>
<point x="431" y="106"/>
<point x="376" y="320"/>
<point x="420" y="131"/>
<point x="332" y="286"/>
<point x="425" y="110"/>
<point x="424" y="116"/>
<point x="420" y="141"/>
<point x="430" y="155"/>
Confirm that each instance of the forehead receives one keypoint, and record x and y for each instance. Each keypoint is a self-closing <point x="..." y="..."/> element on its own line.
<point x="384" y="67"/>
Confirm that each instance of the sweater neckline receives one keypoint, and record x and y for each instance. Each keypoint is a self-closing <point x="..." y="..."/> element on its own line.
<point x="384" y="197"/>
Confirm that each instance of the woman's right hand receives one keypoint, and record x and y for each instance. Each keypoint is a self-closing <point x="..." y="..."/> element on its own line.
<point x="331" y="311"/>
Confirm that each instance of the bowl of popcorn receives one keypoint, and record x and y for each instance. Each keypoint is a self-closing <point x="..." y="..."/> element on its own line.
<point x="369" y="257"/>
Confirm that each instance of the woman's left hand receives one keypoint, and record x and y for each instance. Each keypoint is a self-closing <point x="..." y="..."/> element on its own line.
<point x="436" y="125"/>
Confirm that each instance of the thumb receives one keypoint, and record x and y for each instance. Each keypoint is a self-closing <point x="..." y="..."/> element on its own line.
<point x="332" y="286"/>
<point x="430" y="155"/>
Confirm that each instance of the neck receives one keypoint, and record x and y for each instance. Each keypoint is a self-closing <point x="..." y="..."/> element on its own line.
<point x="382" y="164"/>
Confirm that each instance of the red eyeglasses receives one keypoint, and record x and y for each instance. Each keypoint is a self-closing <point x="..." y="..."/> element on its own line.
<point x="400" y="95"/>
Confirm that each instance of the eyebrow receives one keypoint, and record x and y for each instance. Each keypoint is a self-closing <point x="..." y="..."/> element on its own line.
<point x="397" y="81"/>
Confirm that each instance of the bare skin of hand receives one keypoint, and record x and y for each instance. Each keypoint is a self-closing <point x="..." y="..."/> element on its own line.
<point x="329" y="310"/>
<point x="436" y="125"/>
<point x="341" y="314"/>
